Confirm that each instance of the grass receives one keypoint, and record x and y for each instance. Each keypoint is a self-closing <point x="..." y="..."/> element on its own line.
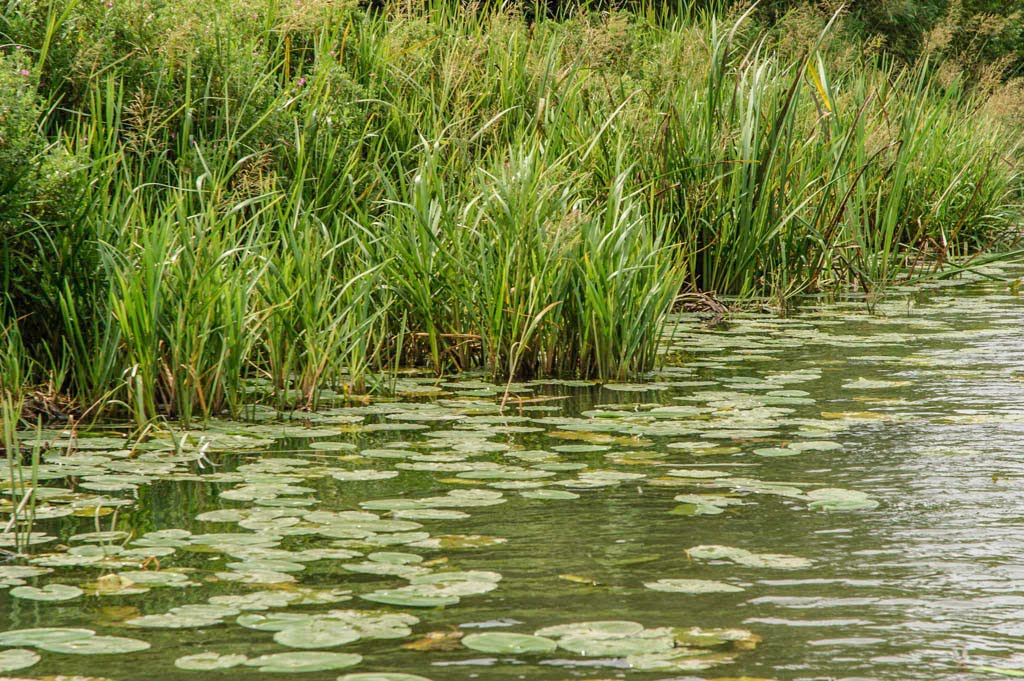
<point x="204" y="195"/>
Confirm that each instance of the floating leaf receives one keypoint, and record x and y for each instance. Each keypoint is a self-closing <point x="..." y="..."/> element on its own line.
<point x="316" y="634"/>
<point x="550" y="494"/>
<point x="836" y="499"/>
<point x="413" y="597"/>
<point x="96" y="645"/>
<point x="868" y="384"/>
<point x="508" y="644"/>
<point x="616" y="647"/>
<point x="205" y="662"/>
<point x="748" y="558"/>
<point x="598" y="629"/>
<point x="286" y="663"/>
<point x="363" y="475"/>
<point x="17" y="658"/>
<point x="257" y="600"/>
<point x="692" y="586"/>
<point x="42" y="636"/>
<point x="679" y="659"/>
<point x="50" y="592"/>
<point x="382" y="676"/>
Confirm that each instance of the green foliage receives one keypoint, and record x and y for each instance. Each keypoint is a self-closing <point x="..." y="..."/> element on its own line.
<point x="218" y="202"/>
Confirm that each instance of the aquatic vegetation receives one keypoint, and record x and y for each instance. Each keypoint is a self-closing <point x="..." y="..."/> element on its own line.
<point x="508" y="644"/>
<point x="692" y="586"/>
<point x="281" y="206"/>
<point x="482" y="536"/>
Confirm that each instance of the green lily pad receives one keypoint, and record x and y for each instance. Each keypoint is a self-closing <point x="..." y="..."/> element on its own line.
<point x="678" y="659"/>
<point x="508" y="644"/>
<point x="42" y="636"/>
<point x="172" y="620"/>
<point x="814" y="446"/>
<point x="836" y="499"/>
<point x="96" y="645"/>
<point x="156" y="578"/>
<point x="382" y="676"/>
<point x="274" y="621"/>
<point x="17" y="658"/>
<point x="11" y="573"/>
<point x="205" y="662"/>
<point x="459" y="541"/>
<point x="50" y="592"/>
<point x="375" y="624"/>
<point x="748" y="558"/>
<point x="363" y="476"/>
<point x="550" y="494"/>
<point x="599" y="629"/>
<point x="430" y="514"/>
<point x="316" y="634"/>
<point x="868" y="384"/>
<point x="287" y="663"/>
<point x="332" y="446"/>
<point x="413" y="597"/>
<point x="256" y="577"/>
<point x="10" y="539"/>
<point x="616" y="647"/>
<point x="692" y="586"/>
<point x="257" y="600"/>
<point x="370" y="567"/>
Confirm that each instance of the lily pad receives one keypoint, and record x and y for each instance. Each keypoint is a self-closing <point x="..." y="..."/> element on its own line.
<point x="287" y="663"/>
<point x="382" y="676"/>
<point x="50" y="592"/>
<point x="316" y="634"/>
<point x="17" y="658"/>
<point x="42" y="636"/>
<point x="596" y="630"/>
<point x="748" y="558"/>
<point x="508" y="644"/>
<point x="274" y="621"/>
<point x="256" y="600"/>
<point x="837" y="499"/>
<point x="413" y="597"/>
<point x="692" y="586"/>
<point x="550" y="494"/>
<point x="616" y="647"/>
<point x="205" y="662"/>
<point x="96" y="645"/>
<point x="678" y="659"/>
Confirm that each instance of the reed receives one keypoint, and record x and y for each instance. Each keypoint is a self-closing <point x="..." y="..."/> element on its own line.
<point x="220" y="205"/>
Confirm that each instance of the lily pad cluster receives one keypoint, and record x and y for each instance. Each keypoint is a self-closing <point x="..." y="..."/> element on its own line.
<point x="639" y="647"/>
<point x="379" y="505"/>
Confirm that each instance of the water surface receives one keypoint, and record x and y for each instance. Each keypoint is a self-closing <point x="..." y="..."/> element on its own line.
<point x="923" y="404"/>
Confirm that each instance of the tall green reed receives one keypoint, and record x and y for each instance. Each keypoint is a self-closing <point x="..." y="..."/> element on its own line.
<point x="296" y="196"/>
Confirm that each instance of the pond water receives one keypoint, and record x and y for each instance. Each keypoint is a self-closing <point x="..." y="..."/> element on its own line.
<point x="830" y="495"/>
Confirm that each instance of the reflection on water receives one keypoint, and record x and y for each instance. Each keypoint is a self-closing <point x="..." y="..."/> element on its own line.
<point x="925" y="402"/>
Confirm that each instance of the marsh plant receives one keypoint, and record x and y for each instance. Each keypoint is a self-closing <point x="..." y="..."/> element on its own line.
<point x="201" y="201"/>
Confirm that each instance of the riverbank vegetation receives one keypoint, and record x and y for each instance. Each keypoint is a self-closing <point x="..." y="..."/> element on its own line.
<point x="204" y="203"/>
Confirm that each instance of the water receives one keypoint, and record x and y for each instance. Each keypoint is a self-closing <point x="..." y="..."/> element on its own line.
<point x="925" y="402"/>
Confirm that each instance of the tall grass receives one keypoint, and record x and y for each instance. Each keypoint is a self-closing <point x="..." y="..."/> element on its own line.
<point x="205" y="199"/>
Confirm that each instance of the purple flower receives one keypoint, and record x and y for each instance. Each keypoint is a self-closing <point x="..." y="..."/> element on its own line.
<point x="25" y="72"/>
<point x="301" y="82"/>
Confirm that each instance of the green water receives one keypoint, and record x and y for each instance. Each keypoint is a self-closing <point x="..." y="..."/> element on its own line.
<point x="921" y="581"/>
